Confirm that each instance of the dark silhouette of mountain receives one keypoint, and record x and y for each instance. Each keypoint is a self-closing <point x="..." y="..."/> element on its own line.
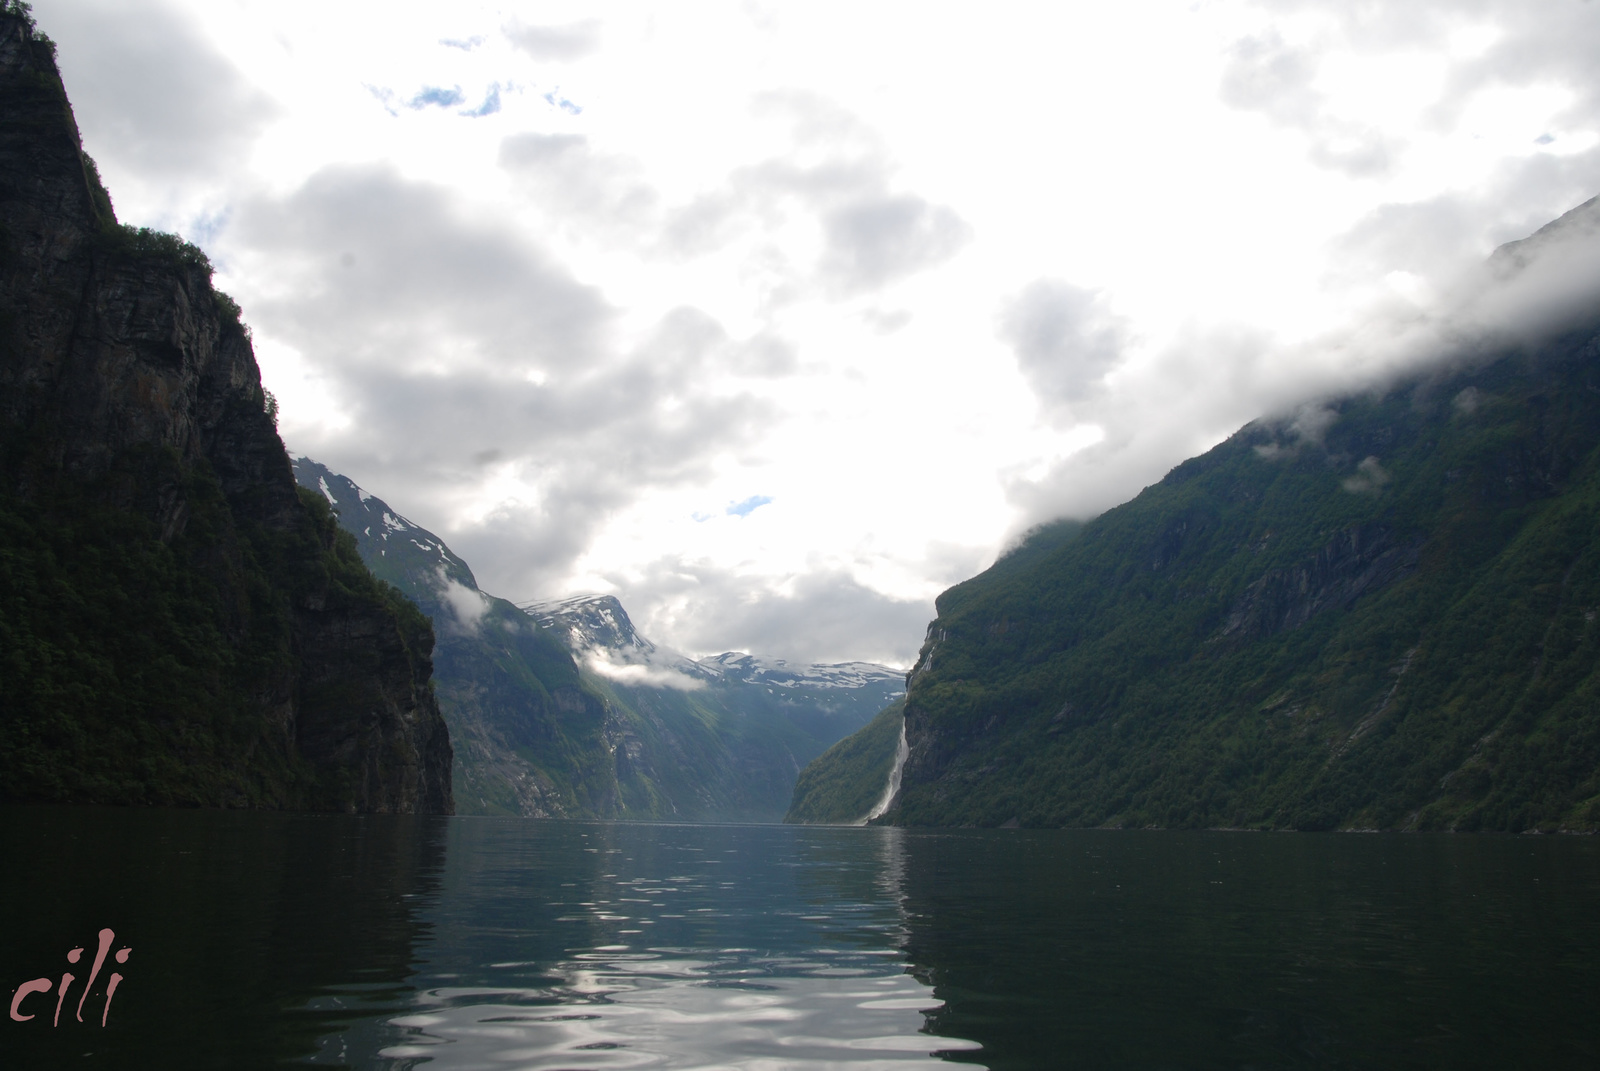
<point x="178" y="623"/>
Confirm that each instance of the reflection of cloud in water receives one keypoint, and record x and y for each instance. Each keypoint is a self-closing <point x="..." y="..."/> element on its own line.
<point x="598" y="945"/>
<point x="654" y="1010"/>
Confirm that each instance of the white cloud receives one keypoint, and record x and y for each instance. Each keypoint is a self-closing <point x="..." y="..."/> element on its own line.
<point x="1370" y="478"/>
<point x="467" y="606"/>
<point x="920" y="294"/>
<point x="642" y="674"/>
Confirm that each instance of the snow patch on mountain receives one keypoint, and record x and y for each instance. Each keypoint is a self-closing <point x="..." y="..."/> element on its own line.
<point x="597" y="627"/>
<point x="601" y="635"/>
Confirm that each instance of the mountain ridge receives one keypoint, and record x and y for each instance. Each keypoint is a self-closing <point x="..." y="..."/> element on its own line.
<point x="1375" y="612"/>
<point x="1274" y="641"/>
<point x="562" y="709"/>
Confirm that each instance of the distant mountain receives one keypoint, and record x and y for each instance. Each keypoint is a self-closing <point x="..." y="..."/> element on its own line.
<point x="563" y="709"/>
<point x="722" y="737"/>
<point x="529" y="737"/>
<point x="1381" y="614"/>
<point x="179" y="625"/>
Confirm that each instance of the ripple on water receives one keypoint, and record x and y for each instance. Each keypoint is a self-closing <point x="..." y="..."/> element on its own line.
<point x="691" y="1013"/>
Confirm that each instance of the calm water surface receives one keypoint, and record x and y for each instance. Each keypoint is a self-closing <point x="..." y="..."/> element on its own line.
<point x="262" y="939"/>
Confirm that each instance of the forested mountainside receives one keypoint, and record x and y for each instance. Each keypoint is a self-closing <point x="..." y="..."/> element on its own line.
<point x="562" y="709"/>
<point x="846" y="784"/>
<point x="178" y="623"/>
<point x="1380" y="614"/>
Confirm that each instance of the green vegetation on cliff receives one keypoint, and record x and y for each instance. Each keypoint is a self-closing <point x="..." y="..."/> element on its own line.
<point x="843" y="784"/>
<point x="178" y="625"/>
<point x="142" y="670"/>
<point x="1382" y="615"/>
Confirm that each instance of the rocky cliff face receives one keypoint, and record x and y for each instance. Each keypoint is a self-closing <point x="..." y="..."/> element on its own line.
<point x="181" y="625"/>
<point x="529" y="739"/>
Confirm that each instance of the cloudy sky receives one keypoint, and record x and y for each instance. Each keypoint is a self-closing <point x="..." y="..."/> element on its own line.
<point x="776" y="319"/>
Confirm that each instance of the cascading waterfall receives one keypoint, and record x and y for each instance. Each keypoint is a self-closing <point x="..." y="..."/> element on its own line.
<point x="893" y="787"/>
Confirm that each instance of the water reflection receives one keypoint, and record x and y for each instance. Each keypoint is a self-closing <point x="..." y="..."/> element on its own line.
<point x="479" y="943"/>
<point x="1103" y="949"/>
<point x="608" y="945"/>
<point x="253" y="935"/>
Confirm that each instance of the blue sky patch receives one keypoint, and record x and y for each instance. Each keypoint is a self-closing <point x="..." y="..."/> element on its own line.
<point x="745" y="508"/>
<point x="490" y="105"/>
<point x="437" y="97"/>
<point x="556" y="100"/>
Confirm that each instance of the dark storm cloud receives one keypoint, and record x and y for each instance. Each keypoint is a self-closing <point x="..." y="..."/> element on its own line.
<point x="1064" y="338"/>
<point x="570" y="41"/>
<point x="152" y="96"/>
<point x="460" y="351"/>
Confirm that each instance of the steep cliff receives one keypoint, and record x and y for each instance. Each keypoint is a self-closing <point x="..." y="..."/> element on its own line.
<point x="529" y="738"/>
<point x="179" y="624"/>
<point x="1378" y="614"/>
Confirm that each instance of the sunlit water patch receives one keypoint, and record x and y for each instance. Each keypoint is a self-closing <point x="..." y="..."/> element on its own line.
<point x="594" y="945"/>
<point x="672" y="1010"/>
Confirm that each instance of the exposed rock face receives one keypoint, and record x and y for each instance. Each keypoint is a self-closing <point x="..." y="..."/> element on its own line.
<point x="1360" y="559"/>
<point x="528" y="738"/>
<point x="139" y="469"/>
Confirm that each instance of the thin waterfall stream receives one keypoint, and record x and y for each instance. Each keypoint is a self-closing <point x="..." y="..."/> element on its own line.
<point x="901" y="753"/>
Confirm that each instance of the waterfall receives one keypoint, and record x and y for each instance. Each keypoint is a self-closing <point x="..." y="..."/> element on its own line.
<point x="889" y="791"/>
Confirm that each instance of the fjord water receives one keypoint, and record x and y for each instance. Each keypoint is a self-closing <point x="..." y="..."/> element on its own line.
<point x="400" y="942"/>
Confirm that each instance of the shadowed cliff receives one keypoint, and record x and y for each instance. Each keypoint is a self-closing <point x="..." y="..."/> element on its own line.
<point x="179" y="624"/>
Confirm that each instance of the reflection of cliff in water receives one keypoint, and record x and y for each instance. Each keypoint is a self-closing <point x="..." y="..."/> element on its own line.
<point x="1114" y="949"/>
<point x="253" y="934"/>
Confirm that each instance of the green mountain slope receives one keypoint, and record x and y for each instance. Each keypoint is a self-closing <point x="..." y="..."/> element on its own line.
<point x="843" y="784"/>
<point x="1387" y="622"/>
